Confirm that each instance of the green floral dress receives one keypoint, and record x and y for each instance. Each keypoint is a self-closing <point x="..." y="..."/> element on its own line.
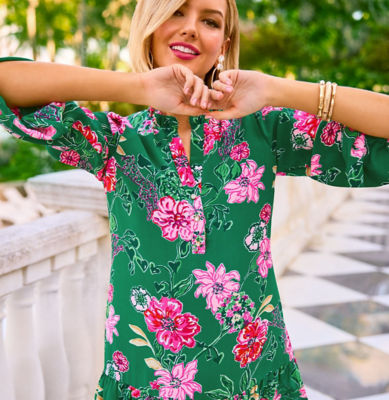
<point x="193" y="309"/>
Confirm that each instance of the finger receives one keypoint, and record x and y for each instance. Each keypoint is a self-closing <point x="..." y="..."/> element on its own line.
<point x="222" y="87"/>
<point x="216" y="95"/>
<point x="189" y="82"/>
<point x="204" y="98"/>
<point x="198" y="88"/>
<point x="226" y="77"/>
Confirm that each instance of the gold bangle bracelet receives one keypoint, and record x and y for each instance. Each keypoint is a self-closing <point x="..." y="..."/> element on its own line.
<point x="321" y="99"/>
<point x="327" y="100"/>
<point x="334" y="85"/>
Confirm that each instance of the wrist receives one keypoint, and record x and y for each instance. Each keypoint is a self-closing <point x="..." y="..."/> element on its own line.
<point x="274" y="91"/>
<point x="138" y="88"/>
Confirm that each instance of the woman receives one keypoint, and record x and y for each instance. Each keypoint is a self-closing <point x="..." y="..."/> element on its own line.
<point x="193" y="306"/>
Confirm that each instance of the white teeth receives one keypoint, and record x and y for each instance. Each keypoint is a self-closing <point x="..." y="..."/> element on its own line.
<point x="183" y="49"/>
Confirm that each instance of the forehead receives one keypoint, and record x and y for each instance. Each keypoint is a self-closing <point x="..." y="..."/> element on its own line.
<point x="220" y="5"/>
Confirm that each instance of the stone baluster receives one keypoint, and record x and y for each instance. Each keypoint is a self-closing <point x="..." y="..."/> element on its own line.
<point x="6" y="387"/>
<point x="77" y="343"/>
<point x="95" y="296"/>
<point x="21" y="346"/>
<point x="50" y="339"/>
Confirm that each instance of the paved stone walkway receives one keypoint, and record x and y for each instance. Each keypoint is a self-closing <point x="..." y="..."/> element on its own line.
<point x="336" y="302"/>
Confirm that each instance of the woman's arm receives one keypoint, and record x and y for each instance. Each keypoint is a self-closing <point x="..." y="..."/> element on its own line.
<point x="361" y="110"/>
<point x="26" y="83"/>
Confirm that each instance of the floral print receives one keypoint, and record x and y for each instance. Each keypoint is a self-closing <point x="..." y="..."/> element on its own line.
<point x="247" y="185"/>
<point x="215" y="285"/>
<point x="174" y="329"/>
<point x="180" y="382"/>
<point x="174" y="218"/>
<point x="264" y="260"/>
<point x="193" y="308"/>
<point x="251" y="340"/>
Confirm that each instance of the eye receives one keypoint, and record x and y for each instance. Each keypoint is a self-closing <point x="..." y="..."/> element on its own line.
<point x="212" y="22"/>
<point x="177" y="12"/>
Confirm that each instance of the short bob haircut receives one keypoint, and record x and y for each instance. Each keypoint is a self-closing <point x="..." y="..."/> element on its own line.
<point x="151" y="14"/>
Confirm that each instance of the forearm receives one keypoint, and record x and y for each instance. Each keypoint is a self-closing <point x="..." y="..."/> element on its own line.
<point x="358" y="109"/>
<point x="25" y="83"/>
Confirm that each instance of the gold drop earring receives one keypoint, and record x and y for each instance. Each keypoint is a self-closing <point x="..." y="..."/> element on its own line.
<point x="219" y="67"/>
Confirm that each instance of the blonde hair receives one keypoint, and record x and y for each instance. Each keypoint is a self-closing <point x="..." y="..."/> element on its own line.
<point x="149" y="15"/>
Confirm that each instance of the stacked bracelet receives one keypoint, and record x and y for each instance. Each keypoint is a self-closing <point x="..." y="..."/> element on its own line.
<point x="326" y="100"/>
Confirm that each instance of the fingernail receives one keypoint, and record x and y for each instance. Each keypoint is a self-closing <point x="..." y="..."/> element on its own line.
<point x="229" y="89"/>
<point x="194" y="101"/>
<point x="204" y="104"/>
<point x="186" y="90"/>
<point x="229" y="81"/>
<point x="208" y="116"/>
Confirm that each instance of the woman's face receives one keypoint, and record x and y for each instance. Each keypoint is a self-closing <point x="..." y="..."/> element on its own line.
<point x="193" y="36"/>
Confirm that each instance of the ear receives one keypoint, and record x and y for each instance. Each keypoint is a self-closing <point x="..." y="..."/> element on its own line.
<point x="226" y="45"/>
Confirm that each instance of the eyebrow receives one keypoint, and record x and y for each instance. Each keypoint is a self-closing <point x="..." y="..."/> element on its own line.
<point x="209" y="11"/>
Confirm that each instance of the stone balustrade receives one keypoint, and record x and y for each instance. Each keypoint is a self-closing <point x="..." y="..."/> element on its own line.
<point x="54" y="275"/>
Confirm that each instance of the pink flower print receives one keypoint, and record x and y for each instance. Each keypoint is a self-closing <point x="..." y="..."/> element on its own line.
<point x="118" y="123"/>
<point x="247" y="185"/>
<point x="181" y="162"/>
<point x="174" y="218"/>
<point x="240" y="151"/>
<point x="70" y="157"/>
<point x="265" y="213"/>
<point x="303" y="393"/>
<point x="110" y="324"/>
<point x="315" y="165"/>
<point x="121" y="361"/>
<point x="264" y="260"/>
<point x="332" y="133"/>
<point x="306" y="123"/>
<point x="135" y="393"/>
<point x="110" y="293"/>
<point x="213" y="131"/>
<point x="252" y="240"/>
<point x="89" y="135"/>
<point x="174" y="330"/>
<point x="45" y="133"/>
<point x="251" y="340"/>
<point x="269" y="109"/>
<point x="89" y="113"/>
<point x="277" y="396"/>
<point x="108" y="175"/>
<point x="359" y="147"/>
<point x="215" y="285"/>
<point x="154" y="385"/>
<point x="198" y="212"/>
<point x="179" y="383"/>
<point x="288" y="345"/>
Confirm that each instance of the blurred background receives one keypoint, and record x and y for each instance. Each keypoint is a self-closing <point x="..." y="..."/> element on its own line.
<point x="346" y="41"/>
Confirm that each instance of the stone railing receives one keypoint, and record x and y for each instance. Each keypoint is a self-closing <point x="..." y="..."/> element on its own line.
<point x="54" y="275"/>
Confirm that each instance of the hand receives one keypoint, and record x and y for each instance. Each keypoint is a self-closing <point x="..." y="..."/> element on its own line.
<point x="251" y="93"/>
<point x="175" y="89"/>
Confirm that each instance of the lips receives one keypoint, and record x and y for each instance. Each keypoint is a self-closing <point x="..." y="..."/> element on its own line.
<point x="186" y="45"/>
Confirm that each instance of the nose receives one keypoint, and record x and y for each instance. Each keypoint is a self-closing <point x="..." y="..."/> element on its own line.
<point x="188" y="28"/>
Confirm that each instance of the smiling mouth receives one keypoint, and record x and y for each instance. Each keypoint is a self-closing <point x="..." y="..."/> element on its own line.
<point x="184" y="49"/>
<point x="184" y="53"/>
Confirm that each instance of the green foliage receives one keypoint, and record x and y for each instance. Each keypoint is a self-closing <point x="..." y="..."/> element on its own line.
<point x="21" y="160"/>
